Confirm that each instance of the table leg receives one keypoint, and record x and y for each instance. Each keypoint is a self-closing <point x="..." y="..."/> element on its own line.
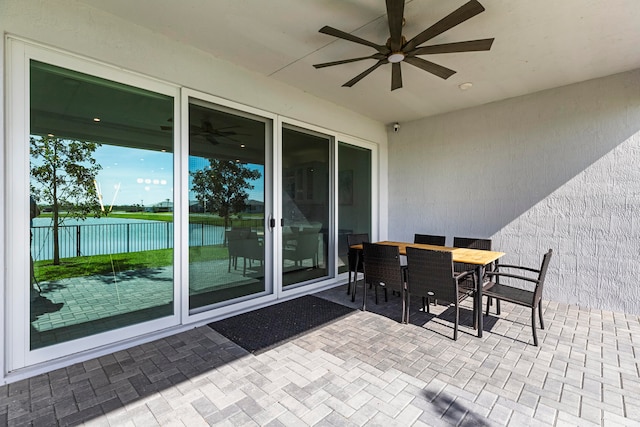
<point x="480" y="274"/>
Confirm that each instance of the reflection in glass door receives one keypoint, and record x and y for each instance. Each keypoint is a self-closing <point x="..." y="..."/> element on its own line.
<point x="305" y="205"/>
<point x="101" y="181"/>
<point x="354" y="207"/>
<point x="227" y="246"/>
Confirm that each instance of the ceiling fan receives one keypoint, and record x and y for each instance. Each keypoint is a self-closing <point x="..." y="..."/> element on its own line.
<point x="208" y="132"/>
<point x="398" y="49"/>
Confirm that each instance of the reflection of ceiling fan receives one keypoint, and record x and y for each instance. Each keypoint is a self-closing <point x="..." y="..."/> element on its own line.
<point x="398" y="49"/>
<point x="208" y="132"/>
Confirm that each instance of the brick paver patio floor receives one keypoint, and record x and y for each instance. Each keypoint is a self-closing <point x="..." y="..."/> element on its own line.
<point x="365" y="369"/>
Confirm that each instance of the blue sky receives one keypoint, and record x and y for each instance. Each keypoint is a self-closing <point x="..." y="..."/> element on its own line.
<point x="133" y="176"/>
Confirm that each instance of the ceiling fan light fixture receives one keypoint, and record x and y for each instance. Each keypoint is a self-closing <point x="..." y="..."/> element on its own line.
<point x="465" y="86"/>
<point x="395" y="57"/>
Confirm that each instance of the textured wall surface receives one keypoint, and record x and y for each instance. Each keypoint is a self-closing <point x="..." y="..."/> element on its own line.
<point x="557" y="169"/>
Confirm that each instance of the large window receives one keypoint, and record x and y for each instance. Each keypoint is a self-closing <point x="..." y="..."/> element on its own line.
<point x="101" y="196"/>
<point x="227" y="153"/>
<point x="134" y="205"/>
<point x="354" y="196"/>
<point x="306" y="205"/>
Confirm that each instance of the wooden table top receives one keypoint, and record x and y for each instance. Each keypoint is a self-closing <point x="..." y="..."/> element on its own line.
<point x="466" y="255"/>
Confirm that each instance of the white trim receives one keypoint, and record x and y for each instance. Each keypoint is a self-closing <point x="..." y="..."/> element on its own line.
<point x="230" y="308"/>
<point x="17" y="225"/>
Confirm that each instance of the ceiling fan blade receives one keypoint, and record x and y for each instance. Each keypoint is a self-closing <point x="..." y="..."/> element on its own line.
<point x="364" y="74"/>
<point x="395" y="13"/>
<point x="166" y="127"/>
<point x="468" y="46"/>
<point x="430" y="67"/>
<point x="396" y="76"/>
<point x="346" y="61"/>
<point x="346" y="36"/>
<point x="458" y="16"/>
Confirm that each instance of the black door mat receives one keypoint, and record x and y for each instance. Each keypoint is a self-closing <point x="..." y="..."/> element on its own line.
<point x="259" y="330"/>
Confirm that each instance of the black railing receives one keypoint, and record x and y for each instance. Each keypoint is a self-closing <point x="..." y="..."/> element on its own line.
<point x="103" y="239"/>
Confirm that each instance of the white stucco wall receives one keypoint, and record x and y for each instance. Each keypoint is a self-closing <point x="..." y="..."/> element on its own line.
<point x="557" y="169"/>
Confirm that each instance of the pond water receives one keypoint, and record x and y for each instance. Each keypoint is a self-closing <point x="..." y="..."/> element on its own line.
<point x="101" y="236"/>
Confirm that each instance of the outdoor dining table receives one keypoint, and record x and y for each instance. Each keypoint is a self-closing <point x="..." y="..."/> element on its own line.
<point x="479" y="258"/>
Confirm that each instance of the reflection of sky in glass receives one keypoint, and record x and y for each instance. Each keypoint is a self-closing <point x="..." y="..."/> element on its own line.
<point x="132" y="176"/>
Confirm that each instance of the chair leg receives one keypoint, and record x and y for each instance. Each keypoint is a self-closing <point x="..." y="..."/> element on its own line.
<point x="475" y="313"/>
<point x="386" y="295"/>
<point x="488" y="300"/>
<point x="424" y="304"/>
<point x="375" y="291"/>
<point x="497" y="306"/>
<point x="455" y="325"/>
<point x="349" y="283"/>
<point x="404" y="307"/>
<point x="406" y="316"/>
<point x="353" y="289"/>
<point x="533" y="326"/>
<point x="540" y="314"/>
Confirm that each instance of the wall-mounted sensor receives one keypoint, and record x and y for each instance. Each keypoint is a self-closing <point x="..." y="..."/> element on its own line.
<point x="396" y="127"/>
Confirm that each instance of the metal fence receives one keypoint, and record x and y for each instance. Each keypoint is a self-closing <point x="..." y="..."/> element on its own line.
<point x="103" y="239"/>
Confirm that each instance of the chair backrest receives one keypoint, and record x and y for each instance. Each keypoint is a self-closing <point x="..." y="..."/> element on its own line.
<point x="471" y="243"/>
<point x="355" y="239"/>
<point x="537" y="293"/>
<point x="430" y="273"/>
<point x="244" y="243"/>
<point x="235" y="238"/>
<point x="382" y="265"/>
<point x="307" y="246"/>
<point x="429" y="239"/>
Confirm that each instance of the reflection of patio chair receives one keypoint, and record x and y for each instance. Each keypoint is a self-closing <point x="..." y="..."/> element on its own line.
<point x="244" y="244"/>
<point x="304" y="247"/>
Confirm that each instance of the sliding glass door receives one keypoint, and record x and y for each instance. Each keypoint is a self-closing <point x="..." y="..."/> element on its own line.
<point x="101" y="205"/>
<point x="354" y="196"/>
<point x="227" y="176"/>
<point x="306" y="205"/>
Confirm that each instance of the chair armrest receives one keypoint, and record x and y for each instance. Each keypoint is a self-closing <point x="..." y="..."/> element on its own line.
<point x="533" y="270"/>
<point x="464" y="274"/>
<point x="513" y="276"/>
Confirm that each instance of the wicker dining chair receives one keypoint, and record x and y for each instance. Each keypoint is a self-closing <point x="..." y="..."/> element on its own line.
<point x="429" y="239"/>
<point x="471" y="243"/>
<point x="382" y="269"/>
<point x="430" y="274"/>
<point x="353" y="258"/>
<point x="518" y="295"/>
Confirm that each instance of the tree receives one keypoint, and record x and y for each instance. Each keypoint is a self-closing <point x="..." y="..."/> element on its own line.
<point x="63" y="174"/>
<point x="221" y="187"/>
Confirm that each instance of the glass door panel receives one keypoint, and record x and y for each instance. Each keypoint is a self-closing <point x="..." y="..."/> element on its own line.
<point x="354" y="196"/>
<point x="305" y="205"/>
<point x="101" y="181"/>
<point x="227" y="247"/>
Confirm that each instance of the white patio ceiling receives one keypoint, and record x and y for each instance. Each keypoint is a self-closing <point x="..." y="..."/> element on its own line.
<point x="538" y="45"/>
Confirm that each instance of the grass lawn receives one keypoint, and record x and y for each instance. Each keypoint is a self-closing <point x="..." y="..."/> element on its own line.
<point x="106" y="264"/>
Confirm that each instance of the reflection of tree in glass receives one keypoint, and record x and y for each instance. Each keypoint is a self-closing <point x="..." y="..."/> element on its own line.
<point x="221" y="187"/>
<point x="63" y="173"/>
